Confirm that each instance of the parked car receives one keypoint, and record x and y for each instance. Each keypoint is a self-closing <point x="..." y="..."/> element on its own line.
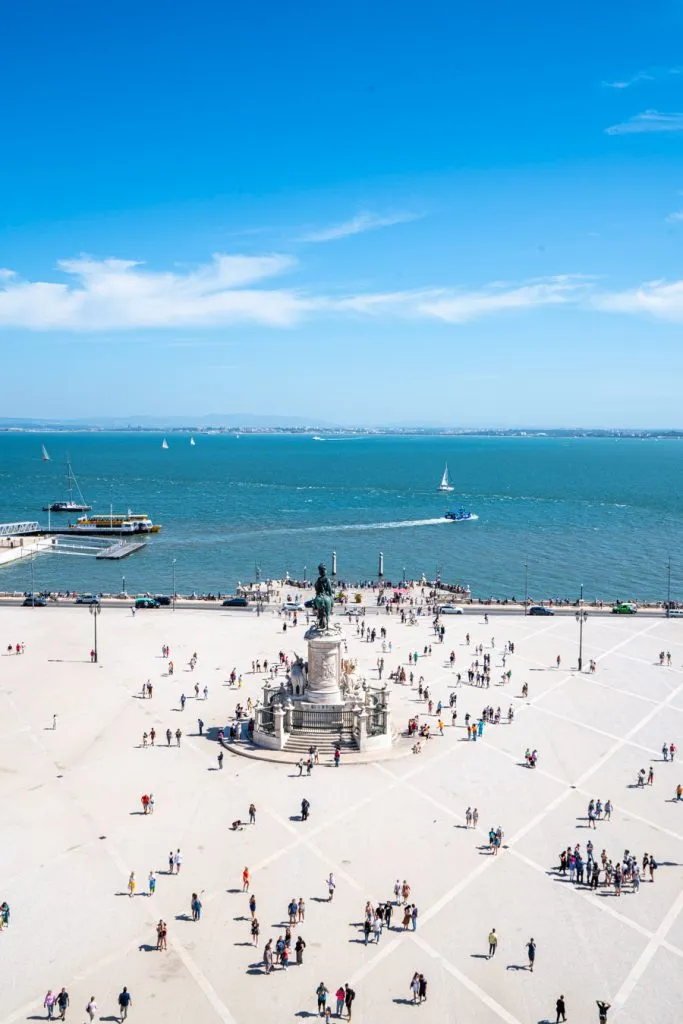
<point x="292" y="606"/>
<point x="163" y="600"/>
<point x="87" y="599"/>
<point x="625" y="608"/>
<point x="146" y="602"/>
<point x="450" y="609"/>
<point x="539" y="609"/>
<point x="34" y="602"/>
<point x="675" y="613"/>
<point x="236" y="602"/>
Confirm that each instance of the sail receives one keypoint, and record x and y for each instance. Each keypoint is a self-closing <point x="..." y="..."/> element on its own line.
<point x="164" y="443"/>
<point x="46" y="457"/>
<point x="444" y="479"/>
<point x="192" y="442"/>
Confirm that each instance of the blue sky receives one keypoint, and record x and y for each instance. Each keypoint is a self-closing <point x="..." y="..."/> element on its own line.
<point x="369" y="213"/>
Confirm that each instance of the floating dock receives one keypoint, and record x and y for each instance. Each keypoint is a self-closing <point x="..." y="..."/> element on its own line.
<point x="122" y="549"/>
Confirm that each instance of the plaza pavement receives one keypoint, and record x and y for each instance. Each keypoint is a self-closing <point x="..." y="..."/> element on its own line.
<point x="72" y="829"/>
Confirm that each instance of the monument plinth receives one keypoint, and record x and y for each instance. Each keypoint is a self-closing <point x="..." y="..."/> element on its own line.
<point x="324" y="666"/>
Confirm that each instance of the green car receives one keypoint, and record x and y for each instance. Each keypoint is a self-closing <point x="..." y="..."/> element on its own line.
<point x="146" y="602"/>
<point x="625" y="608"/>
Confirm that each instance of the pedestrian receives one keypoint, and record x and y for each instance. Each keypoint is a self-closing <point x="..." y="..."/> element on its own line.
<point x="602" y="1010"/>
<point x="301" y="909"/>
<point x="245" y="880"/>
<point x="170" y="862"/>
<point x="177" y="860"/>
<point x="252" y="814"/>
<point x="299" y="949"/>
<point x="531" y="951"/>
<point x="183" y="698"/>
<point x="196" y="907"/>
<point x="91" y="1008"/>
<point x="321" y="993"/>
<point x="152" y="735"/>
<point x="169" y="737"/>
<point x="305" y="808"/>
<point x="54" y="721"/>
<point x="340" y="996"/>
<point x="349" y="997"/>
<point x="178" y="734"/>
<point x="131" y="884"/>
<point x="413" y="916"/>
<point x="331" y="885"/>
<point x="423" y="988"/>
<point x="200" y="726"/>
<point x="560" y="1009"/>
<point x="252" y="906"/>
<point x="152" y="883"/>
<point x="206" y="693"/>
<point x="493" y="942"/>
<point x="268" y="956"/>
<point x="49" y="1003"/>
<point x="255" y="928"/>
<point x="125" y="1000"/>
<point x="220" y="759"/>
<point x="415" y="986"/>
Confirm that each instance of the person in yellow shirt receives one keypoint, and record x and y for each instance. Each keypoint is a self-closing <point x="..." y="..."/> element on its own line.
<point x="493" y="942"/>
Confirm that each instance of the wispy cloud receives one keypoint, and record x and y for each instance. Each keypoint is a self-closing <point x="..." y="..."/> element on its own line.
<point x="661" y="299"/>
<point x="648" y="121"/>
<point x="675" y="217"/>
<point x="115" y="294"/>
<point x="460" y="306"/>
<point x="650" y="75"/>
<point x="358" y="225"/>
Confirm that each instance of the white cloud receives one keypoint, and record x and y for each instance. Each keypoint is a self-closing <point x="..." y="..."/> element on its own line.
<point x="676" y="216"/>
<point x="648" y="121"/>
<point x="650" y="75"/>
<point x="357" y="225"/>
<point x="120" y="294"/>
<point x="660" y="299"/>
<point x="461" y="306"/>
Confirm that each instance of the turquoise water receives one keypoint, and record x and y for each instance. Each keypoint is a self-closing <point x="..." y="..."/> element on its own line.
<point x="603" y="512"/>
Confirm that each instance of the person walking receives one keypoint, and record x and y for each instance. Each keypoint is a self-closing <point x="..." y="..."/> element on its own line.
<point x="152" y="883"/>
<point x="321" y="994"/>
<point x="602" y="1010"/>
<point x="63" y="1003"/>
<point x="220" y="759"/>
<point x="131" y="884"/>
<point x="125" y="1001"/>
<point x="415" y="986"/>
<point x="49" y="1003"/>
<point x="560" y="1010"/>
<point x="91" y="1008"/>
<point x="178" y="861"/>
<point x="493" y="942"/>
<point x="340" y="996"/>
<point x="349" y="997"/>
<point x="252" y="814"/>
<point x="331" y="885"/>
<point x="245" y="880"/>
<point x="423" y="989"/>
<point x="299" y="949"/>
<point x="255" y="929"/>
<point x="531" y="952"/>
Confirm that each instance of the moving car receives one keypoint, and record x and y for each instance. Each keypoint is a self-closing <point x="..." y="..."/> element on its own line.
<point x="34" y="602"/>
<point x="292" y="606"/>
<point x="163" y="600"/>
<point x="449" y="609"/>
<point x="539" y="609"/>
<point x="236" y="602"/>
<point x="675" y="613"/>
<point x="87" y="599"/>
<point x="625" y="608"/>
<point x="146" y="602"/>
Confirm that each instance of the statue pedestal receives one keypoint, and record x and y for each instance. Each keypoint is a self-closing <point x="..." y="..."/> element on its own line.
<point x="324" y="666"/>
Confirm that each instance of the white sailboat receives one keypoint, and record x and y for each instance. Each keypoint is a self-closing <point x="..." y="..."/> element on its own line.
<point x="445" y="484"/>
<point x="192" y="442"/>
<point x="164" y="443"/>
<point x="80" y="505"/>
<point x="46" y="457"/>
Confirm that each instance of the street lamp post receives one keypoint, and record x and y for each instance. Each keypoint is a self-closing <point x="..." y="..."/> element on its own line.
<point x="581" y="617"/>
<point x="95" y="611"/>
<point x="123" y="584"/>
<point x="173" y="594"/>
<point x="526" y="584"/>
<point x="668" y="591"/>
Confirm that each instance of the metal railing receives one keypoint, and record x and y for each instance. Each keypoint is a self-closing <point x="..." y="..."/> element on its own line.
<point x="265" y="720"/>
<point x="322" y="720"/>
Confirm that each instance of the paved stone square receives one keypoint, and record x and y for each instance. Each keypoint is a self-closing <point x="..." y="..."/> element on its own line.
<point x="72" y="827"/>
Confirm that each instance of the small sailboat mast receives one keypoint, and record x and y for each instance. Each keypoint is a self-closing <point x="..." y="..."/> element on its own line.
<point x="445" y="484"/>
<point x="164" y="443"/>
<point x="45" y="456"/>
<point x="192" y="442"/>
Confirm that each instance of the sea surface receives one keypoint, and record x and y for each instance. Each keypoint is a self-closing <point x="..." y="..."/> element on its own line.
<point x="605" y="513"/>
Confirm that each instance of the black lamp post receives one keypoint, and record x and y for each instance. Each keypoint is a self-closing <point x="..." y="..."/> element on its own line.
<point x="95" y="611"/>
<point x="581" y="617"/>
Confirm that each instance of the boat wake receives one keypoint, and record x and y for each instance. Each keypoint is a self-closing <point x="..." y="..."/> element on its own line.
<point x="343" y="527"/>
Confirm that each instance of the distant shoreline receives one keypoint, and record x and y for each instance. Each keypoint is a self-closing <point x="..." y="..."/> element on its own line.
<point x="325" y="433"/>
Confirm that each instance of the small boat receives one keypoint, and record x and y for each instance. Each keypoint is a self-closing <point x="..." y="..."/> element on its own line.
<point x="45" y="456"/>
<point x="164" y="443"/>
<point x="115" y="522"/>
<point x="70" y="505"/>
<point x="445" y="484"/>
<point x="192" y="442"/>
<point x="460" y="515"/>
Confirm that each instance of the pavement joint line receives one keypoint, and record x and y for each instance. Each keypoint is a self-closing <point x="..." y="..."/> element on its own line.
<point x="340" y="872"/>
<point x="467" y="982"/>
<point x="641" y="965"/>
<point x="595" y="729"/>
<point x="600" y="905"/>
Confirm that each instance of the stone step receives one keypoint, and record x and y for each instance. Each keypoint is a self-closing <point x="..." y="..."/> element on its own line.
<point x="325" y="744"/>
